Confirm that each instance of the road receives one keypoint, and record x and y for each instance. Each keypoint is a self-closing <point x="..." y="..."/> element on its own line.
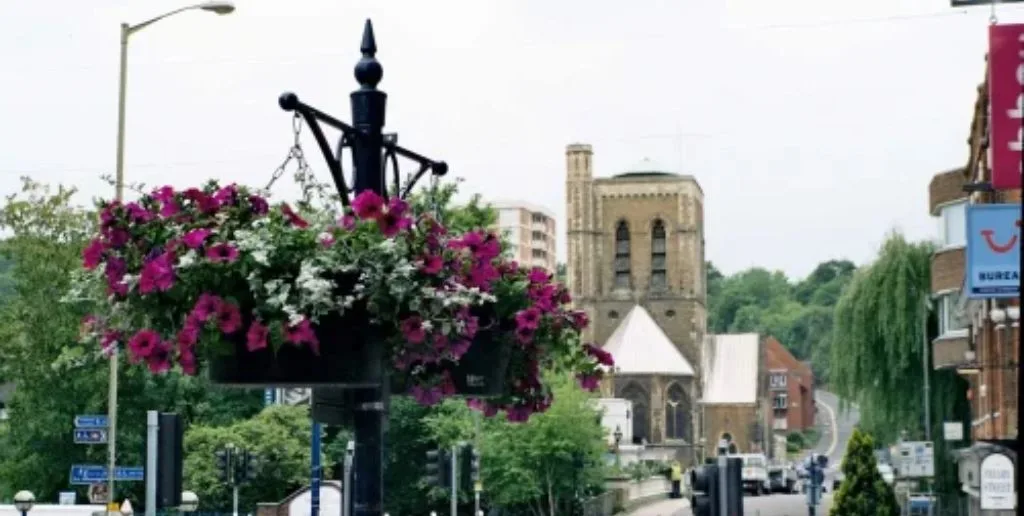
<point x="837" y="428"/>
<point x="773" y="505"/>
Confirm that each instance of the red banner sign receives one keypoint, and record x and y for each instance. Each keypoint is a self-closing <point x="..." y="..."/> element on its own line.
<point x="1006" y="103"/>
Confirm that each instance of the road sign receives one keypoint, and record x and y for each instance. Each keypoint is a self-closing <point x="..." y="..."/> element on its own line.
<point x="85" y="474"/>
<point x="90" y="436"/>
<point x="91" y="422"/>
<point x="953" y="430"/>
<point x="66" y="498"/>
<point x="997" y="483"/>
<point x="915" y="459"/>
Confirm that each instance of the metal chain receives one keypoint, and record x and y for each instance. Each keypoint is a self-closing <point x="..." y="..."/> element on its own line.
<point x="435" y="183"/>
<point x="992" y="19"/>
<point x="295" y="152"/>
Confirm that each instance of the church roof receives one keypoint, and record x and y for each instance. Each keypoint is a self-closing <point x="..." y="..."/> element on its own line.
<point x="731" y="365"/>
<point x="640" y="346"/>
<point x="647" y="167"/>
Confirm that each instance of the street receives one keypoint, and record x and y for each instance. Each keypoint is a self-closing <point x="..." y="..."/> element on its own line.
<point x="774" y="505"/>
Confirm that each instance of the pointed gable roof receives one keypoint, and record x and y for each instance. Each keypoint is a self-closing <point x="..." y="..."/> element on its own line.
<point x="731" y="365"/>
<point x="640" y="346"/>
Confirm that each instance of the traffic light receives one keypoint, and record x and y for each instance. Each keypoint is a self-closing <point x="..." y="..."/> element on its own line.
<point x="252" y="466"/>
<point x="170" y="434"/>
<point x="439" y="468"/>
<point x="704" y="482"/>
<point x="469" y="471"/>
<point x="224" y="465"/>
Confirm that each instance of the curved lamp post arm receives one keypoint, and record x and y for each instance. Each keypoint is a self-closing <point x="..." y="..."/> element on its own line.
<point x="212" y="6"/>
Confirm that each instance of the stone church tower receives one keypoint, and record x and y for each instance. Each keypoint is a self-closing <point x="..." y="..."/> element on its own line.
<point x="636" y="254"/>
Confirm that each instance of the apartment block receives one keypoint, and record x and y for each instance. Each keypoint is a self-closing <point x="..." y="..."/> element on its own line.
<point x="791" y="387"/>
<point x="531" y="232"/>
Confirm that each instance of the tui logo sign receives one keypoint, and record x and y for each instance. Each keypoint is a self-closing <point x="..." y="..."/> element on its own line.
<point x="993" y="251"/>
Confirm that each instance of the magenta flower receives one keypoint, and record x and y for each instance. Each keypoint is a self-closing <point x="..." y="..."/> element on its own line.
<point x="347" y="222"/>
<point x="368" y="205"/>
<point x="528" y="319"/>
<point x="227" y="196"/>
<point x="195" y="238"/>
<point x="188" y="336"/>
<point x="169" y="209"/>
<point x="159" y="359"/>
<point x="258" y="205"/>
<point x="579" y="319"/>
<point x="426" y="396"/>
<point x="92" y="255"/>
<point x="412" y="329"/>
<point x="327" y="240"/>
<point x="109" y="342"/>
<point x="187" y="360"/>
<point x="157" y="275"/>
<point x="222" y="253"/>
<point x="603" y="357"/>
<point x="229" y="318"/>
<point x="143" y="343"/>
<point x="518" y="413"/>
<point x="589" y="382"/>
<point x="116" y="237"/>
<point x="538" y="275"/>
<point x="432" y="264"/>
<point x="164" y="193"/>
<point x="292" y="217"/>
<point x="256" y="337"/>
<point x="206" y="306"/>
<point x="137" y="213"/>
<point x="459" y="348"/>
<point x="302" y="333"/>
<point x="391" y="224"/>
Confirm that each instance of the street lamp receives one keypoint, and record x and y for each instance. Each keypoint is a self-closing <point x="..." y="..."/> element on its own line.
<point x="618" y="439"/>
<point x="189" y="501"/>
<point x="23" y="501"/>
<point x="219" y="7"/>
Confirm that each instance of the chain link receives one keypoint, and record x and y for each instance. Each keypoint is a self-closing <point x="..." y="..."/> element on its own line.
<point x="294" y="153"/>
<point x="992" y="19"/>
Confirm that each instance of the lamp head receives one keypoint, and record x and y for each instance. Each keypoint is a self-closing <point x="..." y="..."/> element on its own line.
<point x="24" y="500"/>
<point x="218" y="6"/>
<point x="189" y="501"/>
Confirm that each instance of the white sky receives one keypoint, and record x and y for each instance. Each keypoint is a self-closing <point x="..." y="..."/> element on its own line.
<point x="813" y="126"/>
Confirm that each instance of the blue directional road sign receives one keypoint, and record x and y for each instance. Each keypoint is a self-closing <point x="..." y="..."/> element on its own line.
<point x="90" y="435"/>
<point x="88" y="474"/>
<point x="91" y="422"/>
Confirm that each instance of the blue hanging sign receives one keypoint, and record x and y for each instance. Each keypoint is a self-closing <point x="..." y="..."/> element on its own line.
<point x="993" y="251"/>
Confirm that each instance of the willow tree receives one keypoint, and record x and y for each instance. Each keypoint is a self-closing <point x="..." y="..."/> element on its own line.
<point x="883" y="327"/>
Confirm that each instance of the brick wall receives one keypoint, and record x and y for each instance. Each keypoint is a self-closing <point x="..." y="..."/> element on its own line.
<point x="799" y="386"/>
<point x="736" y="420"/>
<point x="948" y="270"/>
<point x="946" y="187"/>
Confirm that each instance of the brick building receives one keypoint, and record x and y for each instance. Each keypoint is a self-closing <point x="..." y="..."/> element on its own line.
<point x="790" y="389"/>
<point x="735" y="406"/>
<point x="530" y="230"/>
<point x="977" y="337"/>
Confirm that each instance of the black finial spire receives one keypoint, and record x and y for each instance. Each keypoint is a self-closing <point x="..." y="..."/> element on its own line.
<point x="368" y="70"/>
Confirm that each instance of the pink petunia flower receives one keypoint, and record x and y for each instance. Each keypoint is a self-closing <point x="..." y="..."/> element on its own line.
<point x="292" y="217"/>
<point x="195" y="238"/>
<point x="603" y="357"/>
<point x="187" y="360"/>
<point x="258" y="205"/>
<point x="256" y="337"/>
<point x="206" y="306"/>
<point x="528" y="319"/>
<point x="432" y="264"/>
<point x="222" y="253"/>
<point x="92" y="255"/>
<point x="589" y="382"/>
<point x="302" y="333"/>
<point x="159" y="359"/>
<point x="368" y="205"/>
<point x="412" y="329"/>
<point x="157" y="275"/>
<point x="347" y="222"/>
<point x="110" y="341"/>
<point x="143" y="343"/>
<point x="229" y="317"/>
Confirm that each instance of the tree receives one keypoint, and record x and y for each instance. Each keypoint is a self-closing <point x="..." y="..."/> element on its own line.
<point x="863" y="491"/>
<point x="878" y="340"/>
<point x="279" y="436"/>
<point x="533" y="466"/>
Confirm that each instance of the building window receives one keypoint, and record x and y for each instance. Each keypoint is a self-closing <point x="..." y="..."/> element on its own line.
<point x="949" y="313"/>
<point x="778" y="380"/>
<point x="659" y="275"/>
<point x="780" y="401"/>
<point x="677" y="412"/>
<point x="622" y="272"/>
<point x="638" y="397"/>
<point x="953" y="225"/>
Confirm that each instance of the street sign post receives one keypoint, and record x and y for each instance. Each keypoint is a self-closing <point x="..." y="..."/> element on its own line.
<point x="997" y="492"/>
<point x="916" y="459"/>
<point x="91" y="421"/>
<point x="87" y="474"/>
<point x="90" y="436"/>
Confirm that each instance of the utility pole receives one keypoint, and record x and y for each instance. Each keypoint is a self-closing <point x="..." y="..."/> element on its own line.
<point x="455" y="480"/>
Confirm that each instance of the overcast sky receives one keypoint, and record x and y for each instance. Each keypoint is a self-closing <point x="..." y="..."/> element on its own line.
<point x="813" y="127"/>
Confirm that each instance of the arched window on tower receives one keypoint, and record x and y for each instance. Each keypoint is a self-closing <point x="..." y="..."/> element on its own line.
<point x="639" y="415"/>
<point x="622" y="271"/>
<point x="677" y="413"/>
<point x="659" y="251"/>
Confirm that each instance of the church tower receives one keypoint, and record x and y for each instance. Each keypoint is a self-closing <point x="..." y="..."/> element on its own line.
<point x="579" y="200"/>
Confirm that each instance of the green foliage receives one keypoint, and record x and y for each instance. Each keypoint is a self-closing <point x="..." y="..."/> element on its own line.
<point x="279" y="436"/>
<point x="440" y="199"/>
<point x="798" y="314"/>
<point x="882" y="327"/>
<point x="531" y="465"/>
<point x="863" y="491"/>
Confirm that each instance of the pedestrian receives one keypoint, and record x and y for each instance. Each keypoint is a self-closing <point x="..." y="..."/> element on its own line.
<point x="677" y="480"/>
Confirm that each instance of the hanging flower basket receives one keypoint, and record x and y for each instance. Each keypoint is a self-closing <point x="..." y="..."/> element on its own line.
<point x="216" y="279"/>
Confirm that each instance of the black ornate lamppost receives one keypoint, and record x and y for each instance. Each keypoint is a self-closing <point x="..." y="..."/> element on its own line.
<point x="371" y="151"/>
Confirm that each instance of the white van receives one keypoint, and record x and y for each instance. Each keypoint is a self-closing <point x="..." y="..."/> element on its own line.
<point x="755" y="473"/>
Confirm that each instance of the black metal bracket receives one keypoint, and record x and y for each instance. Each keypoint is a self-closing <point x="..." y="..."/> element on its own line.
<point x="313" y="117"/>
<point x="978" y="187"/>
